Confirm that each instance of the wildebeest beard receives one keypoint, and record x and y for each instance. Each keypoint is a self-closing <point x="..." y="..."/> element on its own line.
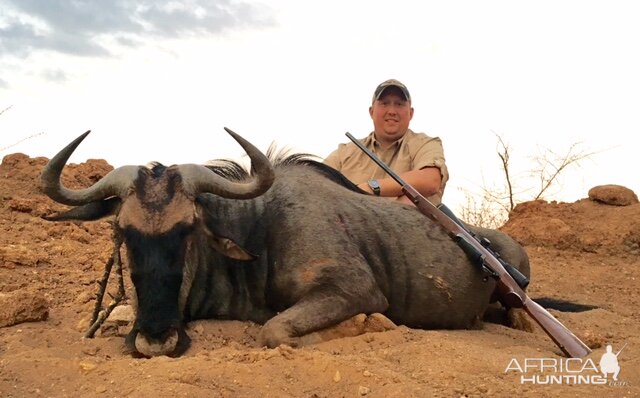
<point x="156" y="272"/>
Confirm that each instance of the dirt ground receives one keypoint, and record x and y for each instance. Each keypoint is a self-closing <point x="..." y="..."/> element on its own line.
<point x="585" y="251"/>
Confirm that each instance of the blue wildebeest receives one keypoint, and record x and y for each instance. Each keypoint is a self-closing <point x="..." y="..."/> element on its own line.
<point x="291" y="246"/>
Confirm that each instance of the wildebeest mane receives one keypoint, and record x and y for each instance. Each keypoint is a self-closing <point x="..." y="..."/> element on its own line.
<point x="228" y="169"/>
<point x="282" y="157"/>
<point x="156" y="168"/>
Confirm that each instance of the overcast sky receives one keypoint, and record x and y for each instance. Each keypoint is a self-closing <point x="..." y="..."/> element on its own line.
<point x="158" y="80"/>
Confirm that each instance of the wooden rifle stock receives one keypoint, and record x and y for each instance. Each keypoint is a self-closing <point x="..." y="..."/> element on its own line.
<point x="509" y="290"/>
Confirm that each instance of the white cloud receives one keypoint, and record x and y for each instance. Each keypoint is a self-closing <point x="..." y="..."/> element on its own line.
<point x="77" y="27"/>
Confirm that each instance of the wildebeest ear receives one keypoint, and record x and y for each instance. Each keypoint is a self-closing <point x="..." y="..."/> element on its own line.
<point x="231" y="249"/>
<point x="231" y="230"/>
<point x="90" y="212"/>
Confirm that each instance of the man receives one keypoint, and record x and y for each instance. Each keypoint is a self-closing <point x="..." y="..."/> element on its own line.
<point x="609" y="363"/>
<point x="417" y="158"/>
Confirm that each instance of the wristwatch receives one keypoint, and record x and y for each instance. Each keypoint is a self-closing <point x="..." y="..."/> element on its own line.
<point x="375" y="186"/>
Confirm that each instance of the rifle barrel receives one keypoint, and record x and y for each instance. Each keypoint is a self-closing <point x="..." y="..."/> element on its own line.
<point x="373" y="157"/>
<point x="618" y="353"/>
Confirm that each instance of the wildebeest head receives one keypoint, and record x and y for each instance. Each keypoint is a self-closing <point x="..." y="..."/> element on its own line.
<point x="157" y="217"/>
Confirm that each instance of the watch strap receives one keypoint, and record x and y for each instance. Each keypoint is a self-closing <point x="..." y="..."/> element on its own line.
<point x="375" y="186"/>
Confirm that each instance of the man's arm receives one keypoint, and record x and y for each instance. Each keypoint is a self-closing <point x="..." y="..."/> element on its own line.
<point x="427" y="181"/>
<point x="429" y="175"/>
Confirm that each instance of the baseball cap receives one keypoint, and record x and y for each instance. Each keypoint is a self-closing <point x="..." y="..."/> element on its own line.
<point x="390" y="83"/>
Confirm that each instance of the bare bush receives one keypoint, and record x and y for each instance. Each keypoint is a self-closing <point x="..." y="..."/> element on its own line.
<point x="483" y="211"/>
<point x="551" y="165"/>
<point x="490" y="207"/>
<point x="4" y="148"/>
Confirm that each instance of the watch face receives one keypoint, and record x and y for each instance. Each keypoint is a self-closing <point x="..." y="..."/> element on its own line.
<point x="375" y="187"/>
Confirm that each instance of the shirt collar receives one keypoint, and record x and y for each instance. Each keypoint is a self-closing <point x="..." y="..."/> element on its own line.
<point x="371" y="140"/>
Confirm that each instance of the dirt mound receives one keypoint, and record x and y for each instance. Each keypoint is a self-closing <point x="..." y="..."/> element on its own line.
<point x="586" y="225"/>
<point x="583" y="251"/>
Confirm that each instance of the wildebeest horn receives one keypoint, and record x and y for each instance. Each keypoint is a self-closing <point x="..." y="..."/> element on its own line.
<point x="116" y="183"/>
<point x="200" y="179"/>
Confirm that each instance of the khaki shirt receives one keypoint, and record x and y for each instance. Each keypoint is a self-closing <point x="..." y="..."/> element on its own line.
<point x="413" y="151"/>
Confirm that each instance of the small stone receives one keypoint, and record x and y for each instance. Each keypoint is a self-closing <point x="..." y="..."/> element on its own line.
<point x="593" y="339"/>
<point x="286" y="351"/>
<point x="85" y="297"/>
<point x="337" y="377"/>
<point x="108" y="329"/>
<point x="362" y="390"/>
<point x="83" y="324"/>
<point x="366" y="373"/>
<point x="198" y="329"/>
<point x="92" y="351"/>
<point x="21" y="306"/>
<point x="122" y="314"/>
<point x="101" y="389"/>
<point x="616" y="195"/>
<point x="87" y="366"/>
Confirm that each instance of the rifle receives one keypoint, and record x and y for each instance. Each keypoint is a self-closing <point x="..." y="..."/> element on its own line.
<point x="618" y="353"/>
<point x="509" y="288"/>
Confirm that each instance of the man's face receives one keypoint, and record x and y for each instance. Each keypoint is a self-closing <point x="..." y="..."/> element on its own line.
<point x="391" y="115"/>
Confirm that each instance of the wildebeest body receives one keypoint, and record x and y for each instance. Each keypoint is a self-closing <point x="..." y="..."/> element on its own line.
<point x="314" y="237"/>
<point x="298" y="252"/>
